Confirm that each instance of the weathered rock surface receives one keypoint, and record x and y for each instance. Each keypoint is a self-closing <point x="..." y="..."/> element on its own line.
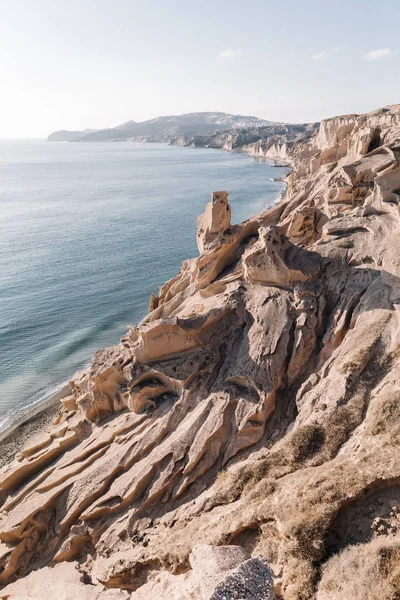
<point x="215" y="221"/>
<point x="257" y="405"/>
<point x="210" y="566"/>
<point x="251" y="580"/>
<point x="63" y="582"/>
<point x="275" y="141"/>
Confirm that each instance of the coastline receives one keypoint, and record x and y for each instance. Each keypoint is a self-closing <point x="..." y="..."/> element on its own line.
<point x="247" y="408"/>
<point x="275" y="160"/>
<point x="18" y="429"/>
<point x="35" y="420"/>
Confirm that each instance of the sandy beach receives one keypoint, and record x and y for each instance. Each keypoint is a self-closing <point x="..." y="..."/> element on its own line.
<point x="34" y="423"/>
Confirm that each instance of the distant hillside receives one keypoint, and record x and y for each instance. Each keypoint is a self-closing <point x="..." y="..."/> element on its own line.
<point x="68" y="136"/>
<point x="64" y="136"/>
<point x="125" y="126"/>
<point x="165" y="128"/>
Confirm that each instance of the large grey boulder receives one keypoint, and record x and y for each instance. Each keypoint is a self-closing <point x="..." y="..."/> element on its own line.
<point x="252" y="580"/>
<point x="228" y="573"/>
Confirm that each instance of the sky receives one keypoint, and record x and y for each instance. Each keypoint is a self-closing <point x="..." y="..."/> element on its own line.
<point x="75" y="64"/>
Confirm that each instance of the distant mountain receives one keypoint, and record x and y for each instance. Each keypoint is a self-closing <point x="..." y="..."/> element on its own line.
<point x="125" y="126"/>
<point x="68" y="136"/>
<point x="165" y="128"/>
<point x="102" y="135"/>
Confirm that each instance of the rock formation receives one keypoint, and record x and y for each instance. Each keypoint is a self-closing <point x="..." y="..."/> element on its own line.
<point x="275" y="141"/>
<point x="257" y="405"/>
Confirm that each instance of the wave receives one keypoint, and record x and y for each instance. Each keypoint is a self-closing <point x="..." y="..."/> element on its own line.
<point x="18" y="415"/>
<point x="46" y="391"/>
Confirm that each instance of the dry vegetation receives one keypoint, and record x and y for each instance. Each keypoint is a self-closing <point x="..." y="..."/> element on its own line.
<point x="366" y="572"/>
<point x="384" y="415"/>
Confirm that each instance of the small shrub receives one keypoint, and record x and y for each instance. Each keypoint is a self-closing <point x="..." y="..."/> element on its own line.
<point x="384" y="414"/>
<point x="368" y="571"/>
<point x="306" y="441"/>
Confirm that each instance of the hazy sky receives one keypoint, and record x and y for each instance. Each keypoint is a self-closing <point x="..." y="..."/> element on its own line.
<point x="71" y="64"/>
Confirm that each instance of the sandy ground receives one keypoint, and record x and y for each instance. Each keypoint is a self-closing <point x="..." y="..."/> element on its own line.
<point x="40" y="421"/>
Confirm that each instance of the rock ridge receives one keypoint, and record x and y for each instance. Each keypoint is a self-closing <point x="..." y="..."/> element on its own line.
<point x="255" y="406"/>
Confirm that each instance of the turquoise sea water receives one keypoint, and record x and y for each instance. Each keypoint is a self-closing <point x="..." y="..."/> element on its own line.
<point x="87" y="232"/>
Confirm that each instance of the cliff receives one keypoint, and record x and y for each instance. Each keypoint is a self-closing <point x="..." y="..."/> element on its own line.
<point x="274" y="142"/>
<point x="255" y="408"/>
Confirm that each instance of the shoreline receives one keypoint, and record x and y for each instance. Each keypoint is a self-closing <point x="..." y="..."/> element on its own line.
<point x="34" y="419"/>
<point x="17" y="438"/>
<point x="274" y="160"/>
<point x="58" y="392"/>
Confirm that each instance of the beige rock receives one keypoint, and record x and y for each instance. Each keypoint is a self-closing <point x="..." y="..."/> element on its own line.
<point x="215" y="221"/>
<point x="276" y="261"/>
<point x="255" y="406"/>
<point x="63" y="582"/>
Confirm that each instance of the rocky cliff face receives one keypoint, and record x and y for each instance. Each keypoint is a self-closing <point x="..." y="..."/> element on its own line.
<point x="257" y="405"/>
<point x="275" y="142"/>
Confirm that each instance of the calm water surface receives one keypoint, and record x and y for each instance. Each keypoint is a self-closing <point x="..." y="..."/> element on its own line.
<point x="87" y="232"/>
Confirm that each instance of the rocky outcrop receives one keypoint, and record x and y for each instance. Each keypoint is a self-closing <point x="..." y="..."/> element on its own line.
<point x="217" y="573"/>
<point x="275" y="142"/>
<point x="255" y="406"/>
<point x="215" y="221"/>
<point x="274" y="260"/>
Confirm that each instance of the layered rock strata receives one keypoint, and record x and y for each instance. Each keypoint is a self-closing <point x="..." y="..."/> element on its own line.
<point x="257" y="404"/>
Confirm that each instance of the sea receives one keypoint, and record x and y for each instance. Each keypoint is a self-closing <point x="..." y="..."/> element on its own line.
<point x="87" y="232"/>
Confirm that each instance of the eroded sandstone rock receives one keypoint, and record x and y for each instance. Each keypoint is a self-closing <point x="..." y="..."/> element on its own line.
<point x="255" y="406"/>
<point x="275" y="260"/>
<point x="215" y="221"/>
